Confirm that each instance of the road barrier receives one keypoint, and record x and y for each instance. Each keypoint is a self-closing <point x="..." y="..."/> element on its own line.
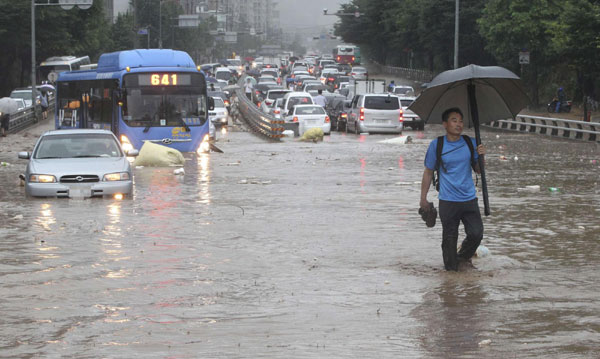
<point x="403" y="72"/>
<point x="556" y="127"/>
<point x="28" y="116"/>
<point x="260" y="122"/>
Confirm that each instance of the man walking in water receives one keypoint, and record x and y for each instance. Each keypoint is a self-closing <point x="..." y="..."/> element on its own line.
<point x="458" y="198"/>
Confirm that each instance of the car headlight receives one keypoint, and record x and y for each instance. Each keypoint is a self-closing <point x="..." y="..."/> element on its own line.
<point x="42" y="178"/>
<point x="117" y="176"/>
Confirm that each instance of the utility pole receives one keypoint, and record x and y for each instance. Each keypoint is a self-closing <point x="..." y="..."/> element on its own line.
<point x="160" y="24"/>
<point x="456" y="35"/>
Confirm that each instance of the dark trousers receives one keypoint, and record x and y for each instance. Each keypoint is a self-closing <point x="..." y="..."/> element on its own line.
<point x="451" y="214"/>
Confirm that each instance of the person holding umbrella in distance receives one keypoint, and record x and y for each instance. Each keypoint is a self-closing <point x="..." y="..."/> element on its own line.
<point x="458" y="198"/>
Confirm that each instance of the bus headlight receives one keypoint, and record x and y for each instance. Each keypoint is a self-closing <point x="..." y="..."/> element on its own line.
<point x="126" y="144"/>
<point x="204" y="145"/>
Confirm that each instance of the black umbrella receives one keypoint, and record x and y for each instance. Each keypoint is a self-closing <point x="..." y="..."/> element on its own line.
<point x="484" y="93"/>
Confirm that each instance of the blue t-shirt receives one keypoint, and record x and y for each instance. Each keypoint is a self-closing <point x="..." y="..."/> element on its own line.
<point x="456" y="180"/>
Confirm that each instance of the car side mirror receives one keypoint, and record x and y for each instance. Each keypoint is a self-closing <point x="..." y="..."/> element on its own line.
<point x="132" y="153"/>
<point x="24" y="155"/>
<point x="211" y="103"/>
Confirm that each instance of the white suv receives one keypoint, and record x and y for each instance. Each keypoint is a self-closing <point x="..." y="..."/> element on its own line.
<point x="375" y="113"/>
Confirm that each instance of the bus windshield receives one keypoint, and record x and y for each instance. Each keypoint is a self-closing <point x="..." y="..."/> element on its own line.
<point x="164" y="106"/>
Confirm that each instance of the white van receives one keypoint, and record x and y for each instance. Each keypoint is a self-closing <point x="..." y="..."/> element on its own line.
<point x="375" y="113"/>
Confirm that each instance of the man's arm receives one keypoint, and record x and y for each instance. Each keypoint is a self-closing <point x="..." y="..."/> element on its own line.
<point x="425" y="184"/>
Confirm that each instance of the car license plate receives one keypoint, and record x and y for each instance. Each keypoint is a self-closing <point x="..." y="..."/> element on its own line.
<point x="382" y="121"/>
<point x="80" y="192"/>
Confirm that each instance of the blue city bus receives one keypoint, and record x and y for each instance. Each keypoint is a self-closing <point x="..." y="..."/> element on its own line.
<point x="140" y="95"/>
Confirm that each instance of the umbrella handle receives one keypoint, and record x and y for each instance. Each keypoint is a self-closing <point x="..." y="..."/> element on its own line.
<point x="486" y="200"/>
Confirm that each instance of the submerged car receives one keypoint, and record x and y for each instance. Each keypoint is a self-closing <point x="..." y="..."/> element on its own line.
<point x="310" y="116"/>
<point x="78" y="163"/>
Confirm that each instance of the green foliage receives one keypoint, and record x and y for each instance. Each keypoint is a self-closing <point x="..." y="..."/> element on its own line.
<point x="86" y="32"/>
<point x="562" y="37"/>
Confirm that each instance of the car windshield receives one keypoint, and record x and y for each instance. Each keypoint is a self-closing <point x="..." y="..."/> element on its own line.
<point x="223" y="75"/>
<point x="273" y="95"/>
<point x="219" y="102"/>
<point x="299" y="100"/>
<point x="269" y="73"/>
<point x="77" y="145"/>
<point x="381" y="103"/>
<point x="406" y="103"/>
<point x="26" y="95"/>
<point x="402" y="90"/>
<point x="310" y="110"/>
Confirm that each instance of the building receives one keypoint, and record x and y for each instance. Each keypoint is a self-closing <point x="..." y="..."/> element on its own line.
<point x="112" y="8"/>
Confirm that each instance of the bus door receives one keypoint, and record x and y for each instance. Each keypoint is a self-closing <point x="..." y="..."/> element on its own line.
<point x="100" y="105"/>
<point x="86" y="104"/>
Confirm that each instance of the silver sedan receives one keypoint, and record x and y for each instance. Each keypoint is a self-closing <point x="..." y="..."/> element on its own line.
<point x="78" y="163"/>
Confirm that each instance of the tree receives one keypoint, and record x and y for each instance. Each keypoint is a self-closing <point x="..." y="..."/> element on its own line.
<point x="511" y="26"/>
<point x="576" y="42"/>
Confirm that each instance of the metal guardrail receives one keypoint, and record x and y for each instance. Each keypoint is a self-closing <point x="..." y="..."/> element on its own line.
<point x="556" y="127"/>
<point x="260" y="122"/>
<point x="27" y="117"/>
<point x="405" y="73"/>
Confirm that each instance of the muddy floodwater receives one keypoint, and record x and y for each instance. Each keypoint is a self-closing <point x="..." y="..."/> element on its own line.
<point x="305" y="250"/>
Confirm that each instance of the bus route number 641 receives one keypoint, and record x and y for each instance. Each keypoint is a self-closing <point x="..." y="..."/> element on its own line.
<point x="164" y="79"/>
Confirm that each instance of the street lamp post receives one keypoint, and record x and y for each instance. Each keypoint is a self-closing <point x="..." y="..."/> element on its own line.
<point x="160" y="24"/>
<point x="456" y="35"/>
<point x="33" y="89"/>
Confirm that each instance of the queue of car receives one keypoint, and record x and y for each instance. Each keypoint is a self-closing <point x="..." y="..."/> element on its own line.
<point x="278" y="93"/>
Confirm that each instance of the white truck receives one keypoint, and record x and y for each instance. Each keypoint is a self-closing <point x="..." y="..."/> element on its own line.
<point x="358" y="87"/>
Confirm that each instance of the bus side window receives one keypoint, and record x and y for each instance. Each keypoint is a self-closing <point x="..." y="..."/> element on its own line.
<point x="202" y="106"/>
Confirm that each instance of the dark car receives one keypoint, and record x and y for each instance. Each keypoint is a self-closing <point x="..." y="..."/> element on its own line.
<point x="344" y="69"/>
<point x="260" y="90"/>
<point x="338" y="80"/>
<point x="335" y="109"/>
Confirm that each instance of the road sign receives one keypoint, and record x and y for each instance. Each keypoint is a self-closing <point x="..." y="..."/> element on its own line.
<point x="52" y="76"/>
<point x="356" y="14"/>
<point x="524" y="57"/>
<point x="82" y="4"/>
<point x="142" y="32"/>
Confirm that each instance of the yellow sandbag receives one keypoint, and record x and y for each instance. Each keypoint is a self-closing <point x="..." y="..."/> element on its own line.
<point x="156" y="155"/>
<point x="313" y="134"/>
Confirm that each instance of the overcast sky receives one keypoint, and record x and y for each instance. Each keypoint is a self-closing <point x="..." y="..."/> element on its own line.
<point x="303" y="14"/>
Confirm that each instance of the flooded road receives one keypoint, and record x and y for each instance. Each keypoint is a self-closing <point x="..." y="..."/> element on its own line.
<point x="288" y="250"/>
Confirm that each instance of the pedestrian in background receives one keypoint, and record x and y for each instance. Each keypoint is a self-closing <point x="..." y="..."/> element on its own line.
<point x="4" y="119"/>
<point x="44" y="104"/>
<point x="248" y="89"/>
<point x="391" y="86"/>
<point x="457" y="195"/>
<point x="561" y="97"/>
<point x="320" y="99"/>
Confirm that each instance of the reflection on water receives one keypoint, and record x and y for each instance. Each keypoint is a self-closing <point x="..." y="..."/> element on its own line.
<point x="46" y="218"/>
<point x="454" y="318"/>
<point x="204" y="178"/>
